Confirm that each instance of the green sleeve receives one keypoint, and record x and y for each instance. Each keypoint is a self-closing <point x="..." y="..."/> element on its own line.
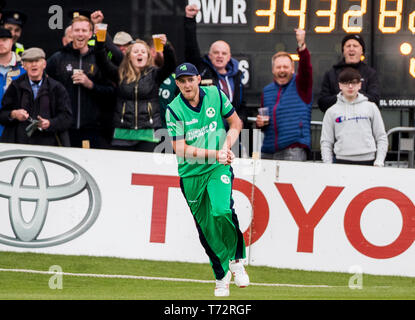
<point x="175" y="127"/>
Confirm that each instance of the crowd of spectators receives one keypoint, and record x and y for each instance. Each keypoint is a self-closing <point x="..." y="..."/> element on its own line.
<point x="113" y="93"/>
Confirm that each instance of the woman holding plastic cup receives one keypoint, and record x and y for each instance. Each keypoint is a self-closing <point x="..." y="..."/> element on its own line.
<point x="137" y="113"/>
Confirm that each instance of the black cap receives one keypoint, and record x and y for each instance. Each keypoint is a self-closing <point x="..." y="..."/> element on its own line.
<point x="80" y="12"/>
<point x="14" y="17"/>
<point x="5" y="33"/>
<point x="356" y="37"/>
<point x="186" y="69"/>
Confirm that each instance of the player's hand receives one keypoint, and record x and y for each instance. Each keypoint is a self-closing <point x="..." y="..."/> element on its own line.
<point x="225" y="156"/>
<point x="231" y="156"/>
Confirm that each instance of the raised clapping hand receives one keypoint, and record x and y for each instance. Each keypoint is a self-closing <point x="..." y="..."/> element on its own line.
<point x="300" y="36"/>
<point x="97" y="17"/>
<point x="191" y="10"/>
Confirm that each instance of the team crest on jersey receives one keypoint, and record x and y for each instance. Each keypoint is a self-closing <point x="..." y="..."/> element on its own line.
<point x="225" y="179"/>
<point x="210" y="112"/>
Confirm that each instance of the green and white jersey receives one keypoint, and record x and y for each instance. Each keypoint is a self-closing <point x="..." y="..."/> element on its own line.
<point x="200" y="126"/>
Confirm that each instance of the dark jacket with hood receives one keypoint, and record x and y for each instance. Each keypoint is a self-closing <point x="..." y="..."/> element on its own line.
<point x="52" y="103"/>
<point x="330" y="86"/>
<point x="89" y="106"/>
<point x="208" y="72"/>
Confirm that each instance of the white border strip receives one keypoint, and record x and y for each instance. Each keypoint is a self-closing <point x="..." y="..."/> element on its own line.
<point x="116" y="276"/>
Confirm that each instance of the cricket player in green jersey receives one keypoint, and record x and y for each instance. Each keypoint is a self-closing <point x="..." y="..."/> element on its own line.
<point x="203" y="148"/>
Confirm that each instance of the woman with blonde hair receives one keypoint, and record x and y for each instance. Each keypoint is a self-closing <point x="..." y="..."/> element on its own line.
<point x="137" y="112"/>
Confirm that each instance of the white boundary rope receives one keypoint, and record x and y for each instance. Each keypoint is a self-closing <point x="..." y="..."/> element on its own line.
<point x="117" y="276"/>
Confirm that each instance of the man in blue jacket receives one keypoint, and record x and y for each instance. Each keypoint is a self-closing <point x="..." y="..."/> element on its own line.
<point x="10" y="63"/>
<point x="288" y="100"/>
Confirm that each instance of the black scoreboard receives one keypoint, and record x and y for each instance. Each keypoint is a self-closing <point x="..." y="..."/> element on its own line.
<point x="256" y="29"/>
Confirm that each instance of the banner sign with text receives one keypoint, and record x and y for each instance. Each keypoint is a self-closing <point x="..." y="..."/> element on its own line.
<point x="297" y="215"/>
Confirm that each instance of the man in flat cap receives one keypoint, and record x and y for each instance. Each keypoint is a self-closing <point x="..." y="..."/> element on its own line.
<point x="14" y="20"/>
<point x="36" y="108"/>
<point x="353" y="50"/>
<point x="122" y="40"/>
<point x="10" y="63"/>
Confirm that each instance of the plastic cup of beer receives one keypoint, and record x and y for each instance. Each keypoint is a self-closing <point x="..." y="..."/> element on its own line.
<point x="263" y="113"/>
<point x="101" y="31"/>
<point x="158" y="45"/>
<point x="75" y="71"/>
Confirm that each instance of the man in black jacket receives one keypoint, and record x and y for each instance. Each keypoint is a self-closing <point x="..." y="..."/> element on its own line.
<point x="353" y="48"/>
<point x="36" y="109"/>
<point x="91" y="95"/>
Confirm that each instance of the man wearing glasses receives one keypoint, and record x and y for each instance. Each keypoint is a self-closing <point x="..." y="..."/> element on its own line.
<point x="353" y="129"/>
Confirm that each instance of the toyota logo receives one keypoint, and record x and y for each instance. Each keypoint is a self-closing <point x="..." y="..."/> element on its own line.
<point x="42" y="194"/>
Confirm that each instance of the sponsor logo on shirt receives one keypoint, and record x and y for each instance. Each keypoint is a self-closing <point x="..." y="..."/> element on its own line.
<point x="193" y="121"/>
<point x="196" y="133"/>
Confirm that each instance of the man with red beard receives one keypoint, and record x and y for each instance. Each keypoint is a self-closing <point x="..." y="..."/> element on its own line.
<point x="92" y="96"/>
<point x="288" y="100"/>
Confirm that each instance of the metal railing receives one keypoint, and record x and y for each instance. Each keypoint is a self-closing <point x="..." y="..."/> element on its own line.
<point x="405" y="145"/>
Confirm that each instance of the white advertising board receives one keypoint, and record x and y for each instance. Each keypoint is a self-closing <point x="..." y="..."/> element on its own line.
<point x="308" y="216"/>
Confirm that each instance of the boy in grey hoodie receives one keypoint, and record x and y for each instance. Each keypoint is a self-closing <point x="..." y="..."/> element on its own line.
<point x="353" y="128"/>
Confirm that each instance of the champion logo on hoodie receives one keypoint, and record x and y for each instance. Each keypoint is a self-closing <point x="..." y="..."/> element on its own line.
<point x="356" y="118"/>
<point x="340" y="119"/>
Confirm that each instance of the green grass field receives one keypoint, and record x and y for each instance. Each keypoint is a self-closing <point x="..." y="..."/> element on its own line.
<point x="28" y="286"/>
